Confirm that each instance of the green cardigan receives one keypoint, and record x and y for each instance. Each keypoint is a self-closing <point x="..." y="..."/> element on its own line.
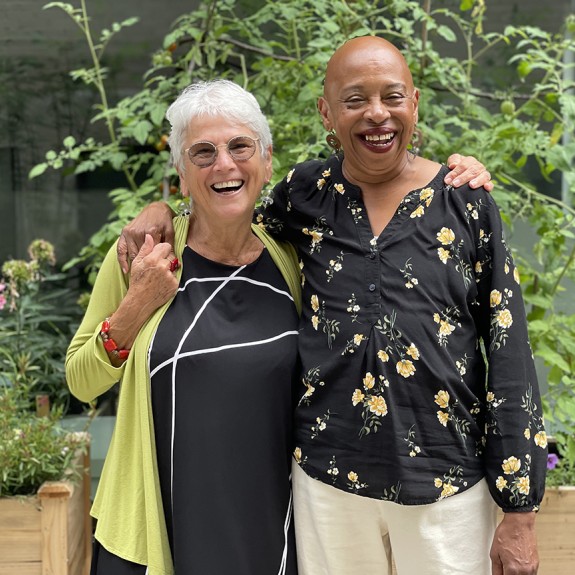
<point x="128" y="503"/>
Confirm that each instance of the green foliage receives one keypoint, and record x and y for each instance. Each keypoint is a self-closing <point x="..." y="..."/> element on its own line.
<point x="33" y="449"/>
<point x="38" y="316"/>
<point x="279" y="51"/>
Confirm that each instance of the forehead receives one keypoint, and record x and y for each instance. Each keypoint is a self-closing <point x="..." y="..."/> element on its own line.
<point x="362" y="68"/>
<point x="217" y="129"/>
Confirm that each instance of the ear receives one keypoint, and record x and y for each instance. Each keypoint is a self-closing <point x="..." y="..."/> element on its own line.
<point x="324" y="110"/>
<point x="183" y="186"/>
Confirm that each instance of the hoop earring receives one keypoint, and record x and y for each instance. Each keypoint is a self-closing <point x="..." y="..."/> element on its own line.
<point x="416" y="141"/>
<point x="333" y="142"/>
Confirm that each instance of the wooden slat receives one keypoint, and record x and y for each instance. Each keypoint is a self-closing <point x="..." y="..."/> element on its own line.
<point x="55" y="497"/>
<point x="18" y="545"/>
<point x="26" y="568"/>
<point x="19" y="513"/>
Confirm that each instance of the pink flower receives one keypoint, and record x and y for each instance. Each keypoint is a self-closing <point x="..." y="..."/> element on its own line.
<point x="2" y="301"/>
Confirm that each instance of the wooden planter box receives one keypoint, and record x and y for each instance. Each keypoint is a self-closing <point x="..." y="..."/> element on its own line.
<point x="555" y="526"/>
<point x="50" y="533"/>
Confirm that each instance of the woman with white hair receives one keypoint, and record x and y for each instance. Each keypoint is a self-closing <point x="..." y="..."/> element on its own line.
<point x="197" y="475"/>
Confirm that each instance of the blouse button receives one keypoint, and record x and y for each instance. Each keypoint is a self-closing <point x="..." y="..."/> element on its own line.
<point x="371" y="287"/>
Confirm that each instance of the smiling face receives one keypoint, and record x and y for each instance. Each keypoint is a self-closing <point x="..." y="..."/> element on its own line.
<point x="371" y="103"/>
<point x="226" y="191"/>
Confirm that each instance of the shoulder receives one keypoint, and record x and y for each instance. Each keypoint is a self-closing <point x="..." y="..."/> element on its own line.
<point x="309" y="171"/>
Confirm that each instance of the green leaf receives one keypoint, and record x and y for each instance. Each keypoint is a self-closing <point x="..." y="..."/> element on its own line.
<point x="37" y="170"/>
<point x="141" y="131"/>
<point x="446" y="33"/>
<point x="69" y="142"/>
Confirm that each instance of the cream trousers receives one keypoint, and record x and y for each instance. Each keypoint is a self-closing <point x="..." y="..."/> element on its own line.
<point x="339" y="533"/>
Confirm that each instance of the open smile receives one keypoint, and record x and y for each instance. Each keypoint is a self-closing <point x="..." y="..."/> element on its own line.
<point x="378" y="142"/>
<point x="228" y="187"/>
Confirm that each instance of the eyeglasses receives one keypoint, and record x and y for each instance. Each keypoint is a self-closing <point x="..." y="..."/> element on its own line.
<point x="204" y="154"/>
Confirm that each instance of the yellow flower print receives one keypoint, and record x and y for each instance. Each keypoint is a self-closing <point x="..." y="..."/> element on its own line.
<point x="511" y="465"/>
<point x="357" y="397"/>
<point x="297" y="454"/>
<point x="443" y="254"/>
<point x="315" y="303"/>
<point x="478" y="267"/>
<point x="437" y="482"/>
<point x="501" y="483"/>
<point x="339" y="188"/>
<point x="383" y="355"/>
<point x="445" y="328"/>
<point x="368" y="381"/>
<point x="314" y="321"/>
<point x="494" y="298"/>
<point x="490" y="396"/>
<point x="446" y="236"/>
<point x="527" y="434"/>
<point x="523" y="485"/>
<point x="448" y="490"/>
<point x="352" y="476"/>
<point x="540" y="439"/>
<point x="320" y="183"/>
<point x="358" y="338"/>
<point x="316" y="237"/>
<point x="426" y="194"/>
<point x="481" y="234"/>
<point x="413" y="352"/>
<point x="443" y="418"/>
<point x="405" y="368"/>
<point x="326" y="173"/>
<point x="442" y="399"/>
<point x="516" y="276"/>
<point x="504" y="318"/>
<point x="418" y="212"/>
<point x="290" y="174"/>
<point x="377" y="405"/>
<point x="436" y="317"/>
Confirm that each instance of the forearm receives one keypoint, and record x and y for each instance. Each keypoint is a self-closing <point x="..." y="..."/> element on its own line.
<point x="89" y="371"/>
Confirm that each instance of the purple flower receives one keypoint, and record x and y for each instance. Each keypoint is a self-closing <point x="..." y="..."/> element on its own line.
<point x="552" y="460"/>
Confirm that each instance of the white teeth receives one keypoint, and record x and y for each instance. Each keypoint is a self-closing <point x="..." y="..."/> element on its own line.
<point x="379" y="137"/>
<point x="230" y="184"/>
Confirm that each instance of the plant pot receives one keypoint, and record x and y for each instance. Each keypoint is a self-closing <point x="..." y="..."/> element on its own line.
<point x="555" y="526"/>
<point x="48" y="533"/>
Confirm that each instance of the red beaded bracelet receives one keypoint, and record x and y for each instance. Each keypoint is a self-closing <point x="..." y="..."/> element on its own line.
<point x="109" y="344"/>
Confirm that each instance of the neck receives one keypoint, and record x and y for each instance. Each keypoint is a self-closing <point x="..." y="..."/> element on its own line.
<point x="230" y="244"/>
<point x="366" y="179"/>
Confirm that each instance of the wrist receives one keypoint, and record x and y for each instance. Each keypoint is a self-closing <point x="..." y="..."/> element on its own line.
<point x="110" y="345"/>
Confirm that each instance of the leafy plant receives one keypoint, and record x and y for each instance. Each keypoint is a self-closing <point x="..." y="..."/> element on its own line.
<point x="33" y="449"/>
<point x="516" y="125"/>
<point x="38" y="315"/>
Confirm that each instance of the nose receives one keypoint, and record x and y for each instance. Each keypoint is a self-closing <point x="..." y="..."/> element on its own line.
<point x="223" y="159"/>
<point x="376" y="111"/>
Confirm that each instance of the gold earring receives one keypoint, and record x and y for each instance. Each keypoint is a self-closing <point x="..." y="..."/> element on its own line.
<point x="333" y="142"/>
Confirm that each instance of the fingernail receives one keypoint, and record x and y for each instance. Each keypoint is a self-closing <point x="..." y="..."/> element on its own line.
<point x="473" y="183"/>
<point x="456" y="182"/>
<point x="448" y="179"/>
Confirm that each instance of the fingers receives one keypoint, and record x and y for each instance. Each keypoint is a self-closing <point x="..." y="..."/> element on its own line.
<point x="122" y="254"/>
<point x="467" y="170"/>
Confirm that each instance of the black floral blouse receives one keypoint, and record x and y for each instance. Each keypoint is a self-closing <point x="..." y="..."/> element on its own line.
<point x="418" y="379"/>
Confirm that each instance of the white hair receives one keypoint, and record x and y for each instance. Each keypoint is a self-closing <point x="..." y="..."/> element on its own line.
<point x="217" y="99"/>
